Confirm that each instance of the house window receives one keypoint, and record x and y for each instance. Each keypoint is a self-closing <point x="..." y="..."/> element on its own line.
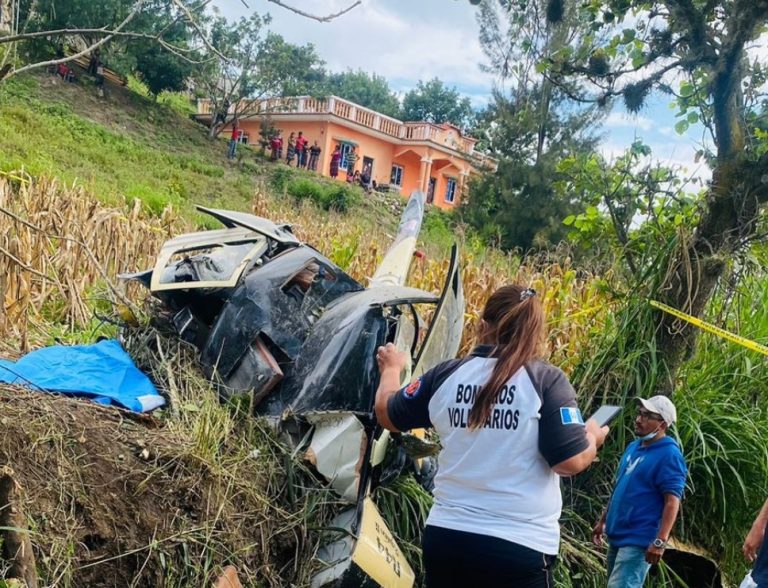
<point x="450" y="190"/>
<point x="396" y="177"/>
<point x="345" y="149"/>
<point x="242" y="137"/>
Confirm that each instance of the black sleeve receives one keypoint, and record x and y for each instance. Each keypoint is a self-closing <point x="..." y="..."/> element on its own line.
<point x="561" y="426"/>
<point x="408" y="408"/>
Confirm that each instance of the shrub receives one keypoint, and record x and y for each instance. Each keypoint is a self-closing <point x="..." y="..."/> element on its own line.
<point x="340" y="198"/>
<point x="302" y="188"/>
<point x="280" y="177"/>
<point x="438" y="227"/>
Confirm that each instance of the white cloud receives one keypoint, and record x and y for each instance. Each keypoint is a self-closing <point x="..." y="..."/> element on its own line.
<point x="680" y="156"/>
<point x="402" y="40"/>
<point x="623" y="119"/>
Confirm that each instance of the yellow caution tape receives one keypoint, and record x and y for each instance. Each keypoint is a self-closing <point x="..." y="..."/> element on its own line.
<point x="710" y="328"/>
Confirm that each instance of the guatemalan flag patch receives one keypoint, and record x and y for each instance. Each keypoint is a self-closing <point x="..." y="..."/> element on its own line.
<point x="571" y="416"/>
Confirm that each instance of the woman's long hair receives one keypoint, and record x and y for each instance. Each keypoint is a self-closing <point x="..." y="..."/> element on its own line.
<point x="515" y="326"/>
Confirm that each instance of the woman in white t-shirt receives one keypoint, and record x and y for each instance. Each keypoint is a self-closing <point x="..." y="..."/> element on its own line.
<point x="509" y="426"/>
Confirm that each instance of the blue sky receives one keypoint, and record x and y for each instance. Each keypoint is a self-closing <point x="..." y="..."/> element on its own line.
<point x="410" y="40"/>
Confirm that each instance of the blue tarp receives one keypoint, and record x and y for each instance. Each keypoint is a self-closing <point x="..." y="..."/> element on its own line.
<point x="103" y="372"/>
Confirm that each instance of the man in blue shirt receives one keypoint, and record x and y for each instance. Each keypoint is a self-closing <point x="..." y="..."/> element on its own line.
<point x="646" y="497"/>
<point x="756" y="549"/>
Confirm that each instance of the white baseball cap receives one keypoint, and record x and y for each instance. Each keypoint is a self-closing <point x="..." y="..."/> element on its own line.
<point x="660" y="405"/>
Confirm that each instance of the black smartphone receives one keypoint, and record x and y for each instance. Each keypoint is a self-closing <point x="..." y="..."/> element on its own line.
<point x="605" y="414"/>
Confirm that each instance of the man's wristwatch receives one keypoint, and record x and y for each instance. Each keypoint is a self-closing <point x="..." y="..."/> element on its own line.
<point x="659" y="543"/>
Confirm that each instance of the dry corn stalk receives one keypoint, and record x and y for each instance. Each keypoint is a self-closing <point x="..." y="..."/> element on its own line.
<point x="57" y="244"/>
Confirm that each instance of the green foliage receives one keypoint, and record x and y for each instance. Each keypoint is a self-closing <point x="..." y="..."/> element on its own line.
<point x="435" y="102"/>
<point x="336" y="196"/>
<point x="259" y="64"/>
<point x="147" y="151"/>
<point x="304" y="188"/>
<point x="160" y="70"/>
<point x="404" y="506"/>
<point x="340" y="197"/>
<point x="155" y="202"/>
<point x="521" y="205"/>
<point x="721" y="400"/>
<point x="137" y="86"/>
<point x="177" y="101"/>
<point x="369" y="90"/>
<point x="629" y="205"/>
<point x="280" y="176"/>
<point x="437" y="228"/>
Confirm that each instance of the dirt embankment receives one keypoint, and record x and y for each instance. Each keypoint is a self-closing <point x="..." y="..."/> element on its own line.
<point x="116" y="499"/>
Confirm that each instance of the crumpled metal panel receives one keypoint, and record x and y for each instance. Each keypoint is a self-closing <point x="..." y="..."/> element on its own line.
<point x="261" y="306"/>
<point x="337" y="451"/>
<point x="231" y="218"/>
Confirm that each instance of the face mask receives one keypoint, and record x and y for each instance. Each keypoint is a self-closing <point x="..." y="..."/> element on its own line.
<point x="650" y="435"/>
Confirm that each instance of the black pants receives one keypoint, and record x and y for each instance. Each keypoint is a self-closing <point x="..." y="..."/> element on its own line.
<point x="466" y="560"/>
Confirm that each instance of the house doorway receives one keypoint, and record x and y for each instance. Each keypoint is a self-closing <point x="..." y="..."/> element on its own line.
<point x="431" y="190"/>
<point x="368" y="162"/>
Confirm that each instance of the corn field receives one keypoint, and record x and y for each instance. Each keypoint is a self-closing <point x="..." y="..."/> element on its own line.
<point x="59" y="247"/>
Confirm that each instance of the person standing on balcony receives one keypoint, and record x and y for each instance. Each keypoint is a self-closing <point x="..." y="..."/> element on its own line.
<point x="351" y="162"/>
<point x="335" y="160"/>
<point x="290" y="151"/>
<point x="314" y="156"/>
<point x="233" y="140"/>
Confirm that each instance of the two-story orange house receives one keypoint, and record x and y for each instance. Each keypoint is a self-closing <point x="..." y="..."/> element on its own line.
<point x="407" y="156"/>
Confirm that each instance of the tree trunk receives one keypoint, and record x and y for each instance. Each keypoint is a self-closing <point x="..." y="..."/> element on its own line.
<point x="213" y="130"/>
<point x="728" y="219"/>
<point x="6" y="18"/>
<point x="17" y="548"/>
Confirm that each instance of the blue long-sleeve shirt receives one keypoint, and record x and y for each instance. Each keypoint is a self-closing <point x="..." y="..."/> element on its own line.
<point x="646" y="474"/>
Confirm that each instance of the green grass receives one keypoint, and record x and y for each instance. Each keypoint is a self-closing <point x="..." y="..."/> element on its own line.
<point x="722" y="398"/>
<point x="122" y="147"/>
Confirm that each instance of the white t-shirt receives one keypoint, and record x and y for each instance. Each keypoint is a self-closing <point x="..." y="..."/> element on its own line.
<point x="497" y="480"/>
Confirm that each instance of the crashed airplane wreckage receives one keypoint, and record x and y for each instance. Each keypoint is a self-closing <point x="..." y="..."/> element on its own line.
<point x="277" y="321"/>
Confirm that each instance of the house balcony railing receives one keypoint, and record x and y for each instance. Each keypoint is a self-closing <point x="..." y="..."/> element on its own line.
<point x="344" y="109"/>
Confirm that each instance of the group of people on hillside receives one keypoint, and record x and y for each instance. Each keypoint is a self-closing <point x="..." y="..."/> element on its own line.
<point x="510" y="427"/>
<point x="297" y="148"/>
<point x="306" y="156"/>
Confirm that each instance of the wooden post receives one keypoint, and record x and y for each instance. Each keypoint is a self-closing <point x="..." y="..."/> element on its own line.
<point x="17" y="548"/>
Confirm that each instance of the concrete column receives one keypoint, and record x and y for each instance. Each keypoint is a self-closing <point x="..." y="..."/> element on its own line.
<point x="422" y="172"/>
<point x="427" y="166"/>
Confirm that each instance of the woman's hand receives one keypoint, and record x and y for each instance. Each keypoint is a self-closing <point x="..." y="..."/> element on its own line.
<point x="391" y="364"/>
<point x="599" y="433"/>
<point x="388" y="357"/>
